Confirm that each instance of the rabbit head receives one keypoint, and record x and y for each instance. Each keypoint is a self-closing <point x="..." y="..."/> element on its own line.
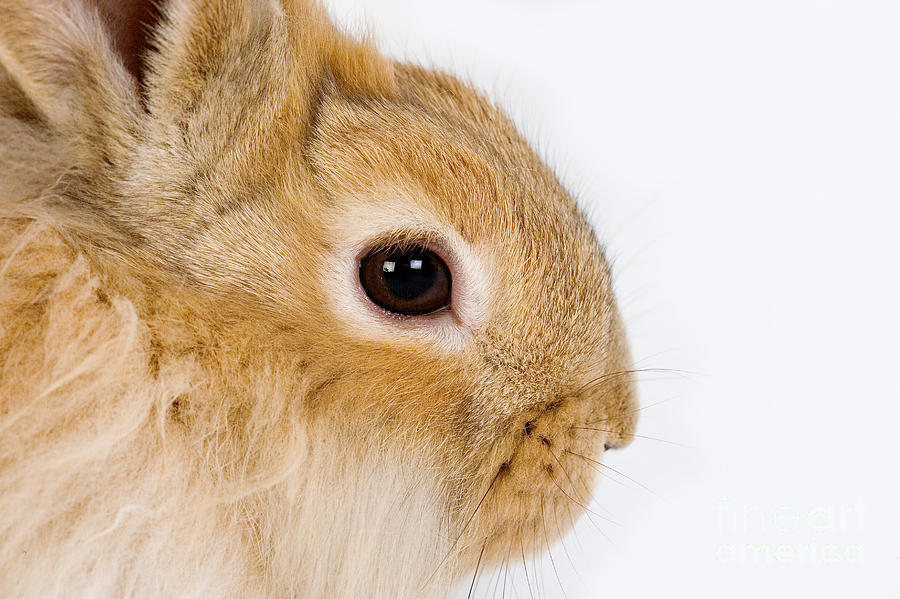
<point x="398" y="332"/>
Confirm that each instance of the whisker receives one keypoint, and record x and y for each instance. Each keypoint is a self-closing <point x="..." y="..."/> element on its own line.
<point x="566" y="472"/>
<point x="573" y="519"/>
<point x="494" y="582"/>
<point x="621" y="373"/>
<point x="581" y="505"/>
<point x="464" y="528"/>
<point x="560" y="536"/>
<point x="609" y="478"/>
<point x="539" y="589"/>
<point x="622" y="474"/>
<point x="503" y="570"/>
<point x="603" y="430"/>
<point x="635" y="410"/>
<point x="475" y="576"/>
<point x="506" y="569"/>
<point x="549" y="552"/>
<point x="575" y="530"/>
<point x="562" y="542"/>
<point x="572" y="482"/>
<point x="525" y="567"/>
<point x="652" y="405"/>
<point x="651" y="357"/>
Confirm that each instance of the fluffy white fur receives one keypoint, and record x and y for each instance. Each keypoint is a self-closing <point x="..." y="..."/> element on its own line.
<point x="97" y="500"/>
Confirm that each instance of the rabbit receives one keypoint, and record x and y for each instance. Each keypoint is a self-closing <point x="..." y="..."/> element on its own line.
<point x="281" y="316"/>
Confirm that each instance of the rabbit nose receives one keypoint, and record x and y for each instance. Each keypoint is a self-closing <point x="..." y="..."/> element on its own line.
<point x="619" y="439"/>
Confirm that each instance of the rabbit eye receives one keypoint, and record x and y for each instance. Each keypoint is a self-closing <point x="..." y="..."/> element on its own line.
<point x="410" y="281"/>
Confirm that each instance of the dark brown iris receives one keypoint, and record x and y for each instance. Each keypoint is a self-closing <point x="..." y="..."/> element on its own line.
<point x="411" y="281"/>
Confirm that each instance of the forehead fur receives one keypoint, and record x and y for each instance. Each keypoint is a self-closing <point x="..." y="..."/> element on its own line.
<point x="447" y="139"/>
<point x="369" y="124"/>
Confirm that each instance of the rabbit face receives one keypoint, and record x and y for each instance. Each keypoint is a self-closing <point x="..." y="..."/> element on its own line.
<point x="233" y="190"/>
<point x="524" y="374"/>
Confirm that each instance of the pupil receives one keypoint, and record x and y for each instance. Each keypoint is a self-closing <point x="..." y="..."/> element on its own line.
<point x="409" y="275"/>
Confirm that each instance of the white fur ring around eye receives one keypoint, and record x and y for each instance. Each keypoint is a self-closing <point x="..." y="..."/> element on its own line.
<point x="398" y="272"/>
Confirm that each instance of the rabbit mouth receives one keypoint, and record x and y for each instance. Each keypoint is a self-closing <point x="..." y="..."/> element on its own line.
<point x="548" y="461"/>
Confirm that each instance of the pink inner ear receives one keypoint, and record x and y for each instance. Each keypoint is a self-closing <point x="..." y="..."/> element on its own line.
<point x="130" y="24"/>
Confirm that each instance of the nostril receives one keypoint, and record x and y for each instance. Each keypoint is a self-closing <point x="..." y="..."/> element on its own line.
<point x="618" y="440"/>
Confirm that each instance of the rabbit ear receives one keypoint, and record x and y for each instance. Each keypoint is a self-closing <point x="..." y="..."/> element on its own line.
<point x="93" y="57"/>
<point x="75" y="58"/>
<point x="130" y="24"/>
<point x="215" y="49"/>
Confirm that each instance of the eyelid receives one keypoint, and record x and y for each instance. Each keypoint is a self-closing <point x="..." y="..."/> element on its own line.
<point x="403" y="242"/>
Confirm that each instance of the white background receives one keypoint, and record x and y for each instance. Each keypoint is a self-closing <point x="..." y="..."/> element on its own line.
<point x="742" y="162"/>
